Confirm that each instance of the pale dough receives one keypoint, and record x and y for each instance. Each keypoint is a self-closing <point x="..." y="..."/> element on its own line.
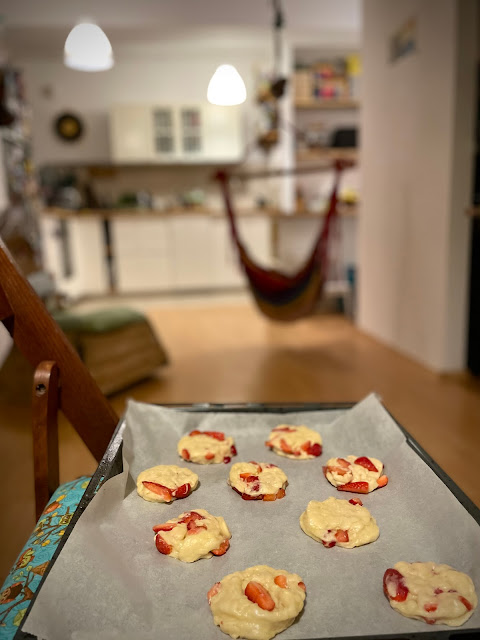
<point x="260" y="481"/>
<point x="202" y="448"/>
<point x="345" y="471"/>
<point x="434" y="593"/>
<point x="173" y="479"/>
<point x="296" y="442"/>
<point x="193" y="535"/>
<point x="338" y="522"/>
<point x="241" y="617"/>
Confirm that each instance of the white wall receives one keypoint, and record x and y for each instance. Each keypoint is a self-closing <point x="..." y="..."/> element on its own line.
<point x="417" y="149"/>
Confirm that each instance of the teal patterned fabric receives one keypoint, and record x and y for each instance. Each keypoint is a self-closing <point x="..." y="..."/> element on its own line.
<point x="27" y="572"/>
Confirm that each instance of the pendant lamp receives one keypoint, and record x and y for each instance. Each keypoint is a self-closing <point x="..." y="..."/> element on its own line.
<point x="87" y="48"/>
<point x="226" y="87"/>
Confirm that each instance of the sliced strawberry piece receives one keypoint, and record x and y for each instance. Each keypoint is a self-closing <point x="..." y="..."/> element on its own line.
<point x="340" y="471"/>
<point x="285" y="447"/>
<point x="315" y="450"/>
<point x="329" y="544"/>
<point x="382" y="481"/>
<point x="209" y="456"/>
<point x="281" y="581"/>
<point x="190" y="516"/>
<point x="302" y="586"/>
<point x="341" y="462"/>
<point x="193" y="528"/>
<point x="162" y="545"/>
<point x="325" y="469"/>
<point x="246" y="496"/>
<point x="213" y="591"/>
<point x="185" y="454"/>
<point x="226" y="459"/>
<point x="268" y="444"/>
<point x="271" y="466"/>
<point x="286" y="429"/>
<point x="366" y="463"/>
<point x="280" y="494"/>
<point x="466" y="603"/>
<point x="218" y="435"/>
<point x="356" y="501"/>
<point x="341" y="535"/>
<point x="257" y="593"/>
<point x="256" y="487"/>
<point x="429" y="620"/>
<point x="182" y="491"/>
<point x="354" y="487"/>
<point x="306" y="446"/>
<point x="223" y="548"/>
<point x="248" y="478"/>
<point x="168" y="526"/>
<point x="269" y="497"/>
<point x="196" y="432"/>
<point x="438" y="591"/>
<point x="233" y="450"/>
<point x="159" y="489"/>
<point x="393" y="585"/>
<point x="259" y="468"/>
<point x="430" y="607"/>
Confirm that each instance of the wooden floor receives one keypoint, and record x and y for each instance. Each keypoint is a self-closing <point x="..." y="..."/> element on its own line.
<point x="232" y="354"/>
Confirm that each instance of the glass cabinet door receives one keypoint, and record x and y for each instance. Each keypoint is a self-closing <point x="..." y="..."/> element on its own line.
<point x="163" y="131"/>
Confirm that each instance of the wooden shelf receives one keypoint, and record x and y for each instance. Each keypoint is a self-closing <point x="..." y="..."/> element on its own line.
<point x="304" y="156"/>
<point x="326" y="103"/>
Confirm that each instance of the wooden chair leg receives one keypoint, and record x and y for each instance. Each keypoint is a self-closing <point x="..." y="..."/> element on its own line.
<point x="45" y="433"/>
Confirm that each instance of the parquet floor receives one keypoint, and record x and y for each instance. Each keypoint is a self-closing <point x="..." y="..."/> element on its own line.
<point x="229" y="353"/>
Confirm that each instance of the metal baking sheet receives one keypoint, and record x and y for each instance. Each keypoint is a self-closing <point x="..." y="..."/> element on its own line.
<point x="109" y="580"/>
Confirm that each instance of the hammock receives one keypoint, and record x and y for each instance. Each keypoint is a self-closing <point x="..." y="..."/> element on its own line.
<point x="278" y="295"/>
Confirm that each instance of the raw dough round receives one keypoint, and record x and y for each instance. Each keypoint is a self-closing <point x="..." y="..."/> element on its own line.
<point x="339" y="522"/>
<point x="193" y="535"/>
<point x="296" y="442"/>
<point x="206" y="447"/>
<point x="257" y="603"/>
<point x="165" y="483"/>
<point x="434" y="593"/>
<point x="258" y="481"/>
<point x="356" y="474"/>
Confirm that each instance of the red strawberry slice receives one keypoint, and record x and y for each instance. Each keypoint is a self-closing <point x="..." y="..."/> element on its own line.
<point x="286" y="429"/>
<point x="280" y="494"/>
<point x="213" y="591"/>
<point x="259" y="468"/>
<point x="233" y="450"/>
<point x="430" y="607"/>
<point x="354" y="487"/>
<point x="185" y="454"/>
<point x="366" y="463"/>
<point x="209" y="456"/>
<point x="466" y="603"/>
<point x="168" y="526"/>
<point x="315" y="450"/>
<point x="325" y="469"/>
<point x="329" y="544"/>
<point x="196" y="432"/>
<point x="190" y="516"/>
<point x="393" y="585"/>
<point x="281" y="581"/>
<point x="218" y="435"/>
<point x="429" y="620"/>
<point x="182" y="491"/>
<point x="223" y="548"/>
<point x="302" y="586"/>
<point x="162" y="545"/>
<point x="382" y="481"/>
<point x="341" y="535"/>
<point x="343" y="463"/>
<point x="355" y="501"/>
<point x="193" y="528"/>
<point x="257" y="593"/>
<point x="437" y="591"/>
<point x="285" y="447"/>
<point x="269" y="444"/>
<point x="159" y="489"/>
<point x="248" y="478"/>
<point x="226" y="459"/>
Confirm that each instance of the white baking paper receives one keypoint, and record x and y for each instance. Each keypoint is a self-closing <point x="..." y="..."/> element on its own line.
<point x="110" y="581"/>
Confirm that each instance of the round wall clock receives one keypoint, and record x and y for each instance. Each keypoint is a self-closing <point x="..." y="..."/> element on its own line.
<point x="68" y="127"/>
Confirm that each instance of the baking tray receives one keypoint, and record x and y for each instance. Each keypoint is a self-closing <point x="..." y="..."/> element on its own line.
<point x="112" y="464"/>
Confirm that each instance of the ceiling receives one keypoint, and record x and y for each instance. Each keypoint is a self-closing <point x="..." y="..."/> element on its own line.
<point x="33" y="27"/>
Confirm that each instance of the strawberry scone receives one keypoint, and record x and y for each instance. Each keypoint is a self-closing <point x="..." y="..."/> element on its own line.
<point x="256" y="603"/>
<point x="358" y="475"/>
<point x="258" y="481"/>
<point x="193" y="535"/>
<point x="165" y="483"/>
<point x="346" y="523"/>
<point x="434" y="593"/>
<point x="206" y="447"/>
<point x="297" y="442"/>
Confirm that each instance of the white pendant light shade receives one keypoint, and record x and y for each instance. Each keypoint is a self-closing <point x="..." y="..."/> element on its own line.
<point x="226" y="88"/>
<point x="87" y="48"/>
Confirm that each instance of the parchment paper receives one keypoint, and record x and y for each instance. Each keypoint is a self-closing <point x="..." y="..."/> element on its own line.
<point x="110" y="581"/>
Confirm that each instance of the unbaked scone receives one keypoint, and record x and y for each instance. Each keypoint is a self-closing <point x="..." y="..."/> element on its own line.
<point x="339" y="522"/>
<point x="165" y="483"/>
<point x="258" y="481"/>
<point x="206" y="447"/>
<point x="434" y="593"/>
<point x="193" y="535"/>
<point x="297" y="442"/>
<point x="256" y="603"/>
<point x="359" y="475"/>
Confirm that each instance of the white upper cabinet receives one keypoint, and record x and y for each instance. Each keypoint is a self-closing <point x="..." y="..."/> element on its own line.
<point x="187" y="134"/>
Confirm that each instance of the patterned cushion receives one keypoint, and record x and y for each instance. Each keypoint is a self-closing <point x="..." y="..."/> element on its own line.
<point x="26" y="574"/>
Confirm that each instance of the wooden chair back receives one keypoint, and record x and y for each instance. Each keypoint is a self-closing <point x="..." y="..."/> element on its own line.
<point x="61" y="380"/>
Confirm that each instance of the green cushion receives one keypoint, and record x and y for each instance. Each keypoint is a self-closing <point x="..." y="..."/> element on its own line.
<point x="26" y="574"/>
<point x="97" y="321"/>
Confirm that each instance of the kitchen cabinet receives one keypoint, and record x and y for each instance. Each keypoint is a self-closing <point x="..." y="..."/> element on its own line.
<point x="184" y="134"/>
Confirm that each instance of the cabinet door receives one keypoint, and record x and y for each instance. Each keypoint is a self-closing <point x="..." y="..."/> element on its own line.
<point x="166" y="143"/>
<point x="222" y="130"/>
<point x="226" y="269"/>
<point x="190" y="251"/>
<point x="191" y="135"/>
<point x="131" y="132"/>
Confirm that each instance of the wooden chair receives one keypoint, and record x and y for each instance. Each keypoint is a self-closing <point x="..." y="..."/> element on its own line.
<point x="61" y="380"/>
